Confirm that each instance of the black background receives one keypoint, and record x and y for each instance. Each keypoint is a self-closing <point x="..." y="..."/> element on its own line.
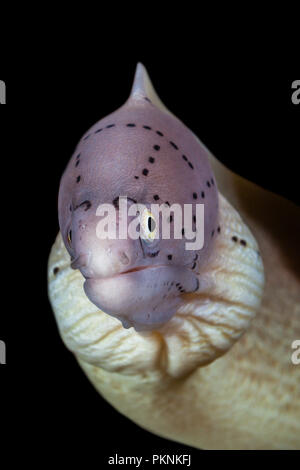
<point x="248" y="122"/>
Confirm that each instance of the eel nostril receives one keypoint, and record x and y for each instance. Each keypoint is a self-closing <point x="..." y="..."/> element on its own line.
<point x="81" y="261"/>
<point x="124" y="258"/>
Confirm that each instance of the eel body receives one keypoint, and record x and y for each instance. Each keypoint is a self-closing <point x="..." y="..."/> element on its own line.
<point x="214" y="370"/>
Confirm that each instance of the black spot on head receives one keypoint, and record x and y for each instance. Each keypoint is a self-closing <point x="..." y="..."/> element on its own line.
<point x="84" y="203"/>
<point x="170" y="257"/>
<point x="219" y="229"/>
<point x="147" y="127"/>
<point x="145" y="171"/>
<point x="131" y="199"/>
<point x="78" y="156"/>
<point x="116" y="202"/>
<point x="212" y="181"/>
<point x="184" y="158"/>
<point x="156" y="147"/>
<point x="70" y="208"/>
<point x="130" y="125"/>
<point x="136" y="177"/>
<point x="78" y="179"/>
<point x="147" y="99"/>
<point x="55" y="270"/>
<point x="77" y="163"/>
<point x="243" y="242"/>
<point x="203" y="194"/>
<point x="208" y="184"/>
<point x="194" y="265"/>
<point x="212" y="233"/>
<point x="88" y="205"/>
<point x="156" y="197"/>
<point x="195" y="196"/>
<point x="151" y="159"/>
<point x="152" y="255"/>
<point x="234" y="239"/>
<point x="159" y="133"/>
<point x="110" y="125"/>
<point x="190" y="165"/>
<point x="177" y="284"/>
<point x="173" y="145"/>
<point x="86" y="137"/>
<point x="98" y="130"/>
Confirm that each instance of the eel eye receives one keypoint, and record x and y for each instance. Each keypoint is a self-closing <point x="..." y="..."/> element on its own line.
<point x="148" y="226"/>
<point x="70" y="237"/>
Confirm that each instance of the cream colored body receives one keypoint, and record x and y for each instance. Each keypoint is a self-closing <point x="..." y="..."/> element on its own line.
<point x="249" y="398"/>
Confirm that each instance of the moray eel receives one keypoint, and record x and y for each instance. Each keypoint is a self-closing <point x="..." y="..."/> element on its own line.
<point x="151" y="158"/>
<point x="192" y="345"/>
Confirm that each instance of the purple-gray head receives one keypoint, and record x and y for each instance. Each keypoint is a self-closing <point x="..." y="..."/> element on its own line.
<point x="144" y="153"/>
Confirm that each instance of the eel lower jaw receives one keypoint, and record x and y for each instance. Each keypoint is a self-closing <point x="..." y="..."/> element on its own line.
<point x="144" y="297"/>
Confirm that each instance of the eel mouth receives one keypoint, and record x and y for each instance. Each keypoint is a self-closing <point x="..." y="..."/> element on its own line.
<point x="140" y="268"/>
